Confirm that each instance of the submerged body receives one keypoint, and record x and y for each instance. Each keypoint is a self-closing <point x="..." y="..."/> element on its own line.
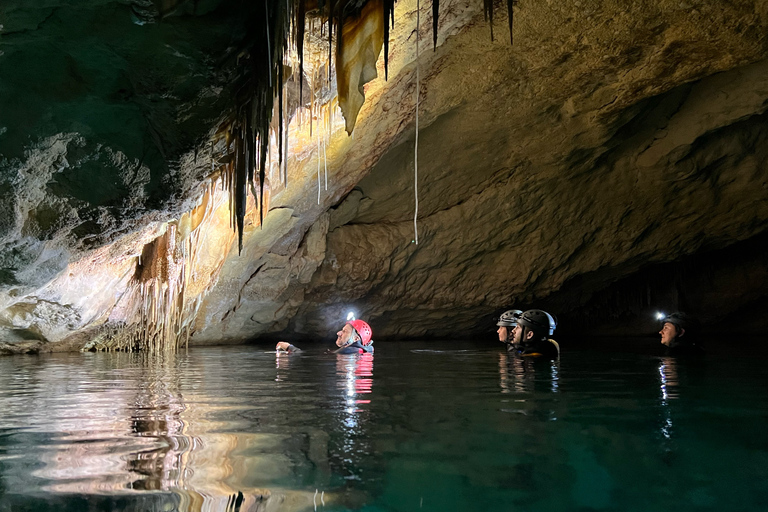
<point x="676" y="335"/>
<point x="525" y="333"/>
<point x="545" y="348"/>
<point x="353" y="338"/>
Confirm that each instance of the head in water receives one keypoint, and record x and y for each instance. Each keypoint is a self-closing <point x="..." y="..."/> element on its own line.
<point x="673" y="328"/>
<point x="534" y="325"/>
<point x="506" y="324"/>
<point x="355" y="330"/>
<point x="346" y="336"/>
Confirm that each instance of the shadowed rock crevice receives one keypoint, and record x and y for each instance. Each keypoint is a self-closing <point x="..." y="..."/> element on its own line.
<point x="725" y="289"/>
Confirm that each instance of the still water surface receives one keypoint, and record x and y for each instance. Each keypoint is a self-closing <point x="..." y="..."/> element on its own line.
<point x="413" y="427"/>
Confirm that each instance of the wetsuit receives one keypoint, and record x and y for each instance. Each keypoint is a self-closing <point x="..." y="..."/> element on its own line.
<point x="544" y="348"/>
<point x="353" y="348"/>
<point x="683" y="347"/>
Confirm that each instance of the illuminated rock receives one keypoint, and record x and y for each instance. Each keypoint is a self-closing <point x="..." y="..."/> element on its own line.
<point x="607" y="139"/>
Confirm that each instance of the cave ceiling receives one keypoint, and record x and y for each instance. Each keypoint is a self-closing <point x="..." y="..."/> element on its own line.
<point x="610" y="156"/>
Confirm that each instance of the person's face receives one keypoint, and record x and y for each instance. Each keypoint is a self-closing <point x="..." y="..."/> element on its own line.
<point x="517" y="334"/>
<point x="344" y="335"/>
<point x="503" y="333"/>
<point x="668" y="333"/>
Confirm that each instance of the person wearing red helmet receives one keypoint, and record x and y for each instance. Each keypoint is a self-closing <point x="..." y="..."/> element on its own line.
<point x="353" y="338"/>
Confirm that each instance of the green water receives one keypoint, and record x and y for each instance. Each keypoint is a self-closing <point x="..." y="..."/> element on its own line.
<point x="417" y="426"/>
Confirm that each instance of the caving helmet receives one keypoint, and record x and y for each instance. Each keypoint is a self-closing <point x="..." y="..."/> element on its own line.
<point x="363" y="330"/>
<point x="509" y="318"/>
<point x="538" y="321"/>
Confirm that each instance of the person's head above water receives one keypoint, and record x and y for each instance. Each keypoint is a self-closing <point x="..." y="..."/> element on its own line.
<point x="506" y="323"/>
<point x="534" y="325"/>
<point x="354" y="330"/>
<point x="673" y="328"/>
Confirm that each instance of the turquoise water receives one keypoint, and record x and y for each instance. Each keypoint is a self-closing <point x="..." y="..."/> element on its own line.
<point x="417" y="426"/>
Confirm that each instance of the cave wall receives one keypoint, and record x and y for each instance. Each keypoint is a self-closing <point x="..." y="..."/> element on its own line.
<point x="724" y="290"/>
<point x="101" y="108"/>
<point x="599" y="162"/>
<point x="609" y="140"/>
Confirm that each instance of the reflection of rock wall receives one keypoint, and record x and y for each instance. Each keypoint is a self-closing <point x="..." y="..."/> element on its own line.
<point x="142" y="423"/>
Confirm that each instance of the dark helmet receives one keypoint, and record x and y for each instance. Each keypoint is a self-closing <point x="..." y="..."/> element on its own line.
<point x="540" y="322"/>
<point x="509" y="318"/>
<point x="679" y="319"/>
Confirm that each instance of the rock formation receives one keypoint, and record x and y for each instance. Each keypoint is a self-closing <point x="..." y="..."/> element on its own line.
<point x="610" y="162"/>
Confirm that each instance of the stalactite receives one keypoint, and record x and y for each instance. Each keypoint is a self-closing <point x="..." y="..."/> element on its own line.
<point x="389" y="21"/>
<point x="262" y="77"/>
<point x="163" y="296"/>
<point x="300" y="16"/>
<point x="435" y="9"/>
<point x="488" y="10"/>
<point x="331" y="17"/>
<point x="241" y="145"/>
<point x="416" y="137"/>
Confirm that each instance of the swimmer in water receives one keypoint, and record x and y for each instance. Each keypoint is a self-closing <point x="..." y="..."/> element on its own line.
<point x="676" y="335"/>
<point x="507" y="322"/>
<point x="530" y="335"/>
<point x="353" y="338"/>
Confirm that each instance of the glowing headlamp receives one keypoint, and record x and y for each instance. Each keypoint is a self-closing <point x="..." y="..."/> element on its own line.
<point x="660" y="315"/>
<point x="351" y="316"/>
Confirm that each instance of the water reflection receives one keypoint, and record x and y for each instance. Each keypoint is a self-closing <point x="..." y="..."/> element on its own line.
<point x="668" y="390"/>
<point x="519" y="375"/>
<point x="449" y="430"/>
<point x="355" y="381"/>
<point x="356" y="378"/>
<point x="123" y="424"/>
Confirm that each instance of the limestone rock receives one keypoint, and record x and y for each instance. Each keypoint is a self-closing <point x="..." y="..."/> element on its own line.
<point x="565" y="171"/>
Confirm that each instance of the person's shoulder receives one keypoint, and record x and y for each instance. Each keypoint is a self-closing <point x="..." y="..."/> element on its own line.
<point x="686" y="350"/>
<point x="347" y="350"/>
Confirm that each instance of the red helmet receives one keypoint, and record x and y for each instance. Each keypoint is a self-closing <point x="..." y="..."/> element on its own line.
<point x="363" y="329"/>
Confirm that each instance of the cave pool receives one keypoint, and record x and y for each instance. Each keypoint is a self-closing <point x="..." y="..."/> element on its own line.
<point x="418" y="426"/>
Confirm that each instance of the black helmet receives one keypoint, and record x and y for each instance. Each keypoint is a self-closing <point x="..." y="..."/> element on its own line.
<point x="679" y="319"/>
<point x="509" y="318"/>
<point x="539" y="322"/>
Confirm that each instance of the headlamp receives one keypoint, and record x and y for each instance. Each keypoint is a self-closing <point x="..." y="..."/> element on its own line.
<point x="351" y="316"/>
<point x="660" y="315"/>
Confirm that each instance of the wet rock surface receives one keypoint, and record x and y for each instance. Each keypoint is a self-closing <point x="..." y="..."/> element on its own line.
<point x="101" y="107"/>
<point x="609" y="140"/>
<point x="598" y="154"/>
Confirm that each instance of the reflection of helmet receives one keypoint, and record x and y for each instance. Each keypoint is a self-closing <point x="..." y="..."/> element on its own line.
<point x="540" y="322"/>
<point x="678" y="319"/>
<point x="362" y="329"/>
<point x="509" y="318"/>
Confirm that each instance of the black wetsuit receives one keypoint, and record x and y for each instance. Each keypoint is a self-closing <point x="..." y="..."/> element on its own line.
<point x="544" y="348"/>
<point x="354" y="348"/>
<point x="683" y="347"/>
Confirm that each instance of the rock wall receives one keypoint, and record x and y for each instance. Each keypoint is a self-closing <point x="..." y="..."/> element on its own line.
<point x="606" y="141"/>
<point x="609" y="140"/>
